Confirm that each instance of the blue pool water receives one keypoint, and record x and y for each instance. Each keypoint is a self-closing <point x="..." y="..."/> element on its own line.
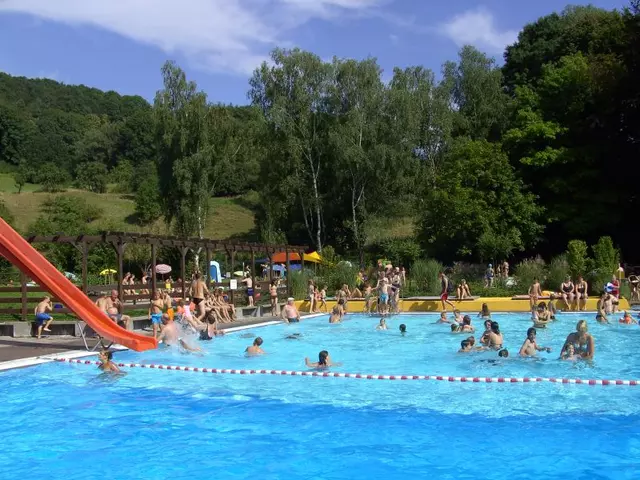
<point x="67" y="421"/>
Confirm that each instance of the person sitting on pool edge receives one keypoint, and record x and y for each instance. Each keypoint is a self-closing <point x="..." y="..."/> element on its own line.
<point x="290" y="313"/>
<point x="255" y="348"/>
<point x="324" y="361"/>
<point x="530" y="346"/>
<point x="106" y="362"/>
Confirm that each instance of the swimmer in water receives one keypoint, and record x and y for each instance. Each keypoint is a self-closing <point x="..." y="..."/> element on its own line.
<point x="170" y="336"/>
<point x="485" y="313"/>
<point x="455" y="328"/>
<point x="487" y="330"/>
<point x="382" y="325"/>
<point x="495" y="337"/>
<point x="504" y="353"/>
<point x="627" y="319"/>
<point x="106" y="362"/>
<point x="457" y="316"/>
<point x="530" y="346"/>
<point x="324" y="361"/>
<point x="403" y="329"/>
<point x="293" y="336"/>
<point x="443" y="318"/>
<point x="255" y="348"/>
<point x="466" y="326"/>
<point x="583" y="343"/>
<point x="569" y="353"/>
<point x="465" y="346"/>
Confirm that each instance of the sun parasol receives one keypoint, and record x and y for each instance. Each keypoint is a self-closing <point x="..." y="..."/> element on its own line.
<point x="108" y="271"/>
<point x="163" y="269"/>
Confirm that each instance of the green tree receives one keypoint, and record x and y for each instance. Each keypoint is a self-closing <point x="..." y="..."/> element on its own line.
<point x="147" y="197"/>
<point x="577" y="257"/>
<point x="123" y="176"/>
<point x="292" y="95"/>
<point x="476" y="193"/>
<point x="51" y="177"/>
<point x="92" y="176"/>
<point x="475" y="87"/>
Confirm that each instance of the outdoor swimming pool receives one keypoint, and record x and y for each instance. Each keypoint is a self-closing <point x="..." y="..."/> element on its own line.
<point x="67" y="421"/>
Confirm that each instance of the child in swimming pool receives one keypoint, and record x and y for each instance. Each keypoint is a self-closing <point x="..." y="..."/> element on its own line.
<point x="106" y="362"/>
<point x="627" y="319"/>
<point x="465" y="346"/>
<point x="403" y="329"/>
<point x="443" y="318"/>
<point x="569" y="353"/>
<point x="382" y="325"/>
<point x="485" y="313"/>
<point x="324" y="361"/>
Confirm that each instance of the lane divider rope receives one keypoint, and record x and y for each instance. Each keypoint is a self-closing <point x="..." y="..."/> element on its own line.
<point x="363" y="376"/>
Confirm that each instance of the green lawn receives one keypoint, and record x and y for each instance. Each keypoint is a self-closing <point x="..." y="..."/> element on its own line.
<point x="228" y="217"/>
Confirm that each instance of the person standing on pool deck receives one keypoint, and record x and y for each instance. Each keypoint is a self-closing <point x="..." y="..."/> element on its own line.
<point x="198" y="290"/>
<point x="444" y="294"/>
<point x="248" y="281"/>
<point x="530" y="346"/>
<point x="255" y="348"/>
<point x="324" y="361"/>
<point x="112" y="306"/>
<point x="42" y="317"/>
<point x="155" y="313"/>
<point x="534" y="293"/>
<point x="290" y="313"/>
<point x="582" y="341"/>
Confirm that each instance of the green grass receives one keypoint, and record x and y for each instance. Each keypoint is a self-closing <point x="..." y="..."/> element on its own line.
<point x="228" y="217"/>
<point x="381" y="228"/>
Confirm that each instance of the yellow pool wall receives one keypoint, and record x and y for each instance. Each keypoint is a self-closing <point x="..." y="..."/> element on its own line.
<point x="496" y="304"/>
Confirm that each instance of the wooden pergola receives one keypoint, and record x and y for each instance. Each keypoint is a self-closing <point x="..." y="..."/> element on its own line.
<point x="120" y="240"/>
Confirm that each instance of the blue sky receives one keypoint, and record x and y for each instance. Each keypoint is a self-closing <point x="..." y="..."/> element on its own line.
<point x="121" y="44"/>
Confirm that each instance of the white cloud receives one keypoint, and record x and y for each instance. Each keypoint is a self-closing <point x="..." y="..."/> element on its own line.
<point x="393" y="38"/>
<point x="219" y="35"/>
<point x="477" y="27"/>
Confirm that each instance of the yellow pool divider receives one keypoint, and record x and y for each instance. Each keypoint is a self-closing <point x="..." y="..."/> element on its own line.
<point x="432" y="304"/>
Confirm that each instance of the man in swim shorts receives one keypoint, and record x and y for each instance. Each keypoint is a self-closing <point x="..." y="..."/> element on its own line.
<point x="290" y="313"/>
<point x="444" y="294"/>
<point x="170" y="336"/>
<point x="112" y="306"/>
<point x="43" y="319"/>
<point x="530" y="346"/>
<point x="155" y="313"/>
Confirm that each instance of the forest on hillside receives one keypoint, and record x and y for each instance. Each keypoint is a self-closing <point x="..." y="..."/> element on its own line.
<point x="487" y="161"/>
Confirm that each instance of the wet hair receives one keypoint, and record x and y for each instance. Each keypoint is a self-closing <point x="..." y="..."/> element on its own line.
<point x="465" y="344"/>
<point x="258" y="341"/>
<point x="487" y="326"/>
<point x="403" y="327"/>
<point x="530" y="331"/>
<point x="454" y="327"/>
<point x="471" y="340"/>
<point x="542" y="306"/>
<point x="581" y="326"/>
<point x="322" y="357"/>
<point x="466" y="320"/>
<point x="495" y="327"/>
<point x="503" y="353"/>
<point x="485" y="310"/>
<point x="108" y="354"/>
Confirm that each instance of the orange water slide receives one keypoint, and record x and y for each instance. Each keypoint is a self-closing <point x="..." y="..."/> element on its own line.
<point x="21" y="254"/>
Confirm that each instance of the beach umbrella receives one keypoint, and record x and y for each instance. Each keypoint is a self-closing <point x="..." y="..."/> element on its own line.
<point x="108" y="271"/>
<point x="163" y="269"/>
<point x="313" y="257"/>
<point x="239" y="273"/>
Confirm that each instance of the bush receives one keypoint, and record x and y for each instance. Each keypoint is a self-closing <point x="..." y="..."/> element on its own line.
<point x="92" y="176"/>
<point x="577" y="258"/>
<point x="471" y="272"/>
<point x="424" y="276"/>
<point x="528" y="270"/>
<point x="606" y="259"/>
<point x="557" y="271"/>
<point x="299" y="282"/>
<point x="336" y="276"/>
<point x="401" y="251"/>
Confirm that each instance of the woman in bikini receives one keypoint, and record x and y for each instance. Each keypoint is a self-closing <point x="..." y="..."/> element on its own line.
<point x="583" y="343"/>
<point x="337" y="312"/>
<point x="567" y="289"/>
<point x="581" y="293"/>
<point x="273" y="294"/>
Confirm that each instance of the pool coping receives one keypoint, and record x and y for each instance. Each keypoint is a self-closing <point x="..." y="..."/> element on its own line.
<point x="73" y="354"/>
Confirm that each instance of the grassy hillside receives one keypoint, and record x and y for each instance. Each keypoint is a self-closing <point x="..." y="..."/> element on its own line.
<point x="228" y="218"/>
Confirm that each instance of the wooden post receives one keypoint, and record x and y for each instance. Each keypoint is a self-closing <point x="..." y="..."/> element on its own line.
<point x="120" y="252"/>
<point x="233" y="263"/>
<point x="270" y="265"/>
<point x="183" y="269"/>
<point x="85" y="273"/>
<point x="288" y="274"/>
<point x="208" y="274"/>
<point x="253" y="273"/>
<point x="23" y="295"/>
<point x="154" y="261"/>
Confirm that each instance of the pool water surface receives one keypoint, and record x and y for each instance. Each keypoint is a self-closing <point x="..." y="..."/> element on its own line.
<point x="69" y="421"/>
